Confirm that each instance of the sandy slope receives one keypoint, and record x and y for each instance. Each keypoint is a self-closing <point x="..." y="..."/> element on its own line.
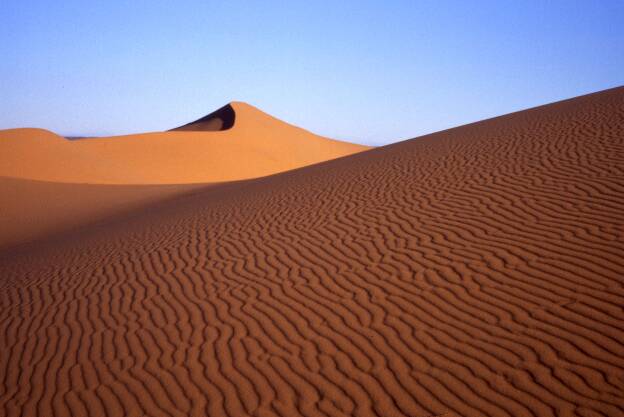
<point x="256" y="145"/>
<point x="478" y="271"/>
<point x="32" y="210"/>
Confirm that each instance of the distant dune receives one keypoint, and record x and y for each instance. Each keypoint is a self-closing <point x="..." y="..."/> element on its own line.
<point x="255" y="145"/>
<point x="478" y="271"/>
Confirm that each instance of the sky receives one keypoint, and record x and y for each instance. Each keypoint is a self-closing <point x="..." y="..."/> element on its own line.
<point x="371" y="72"/>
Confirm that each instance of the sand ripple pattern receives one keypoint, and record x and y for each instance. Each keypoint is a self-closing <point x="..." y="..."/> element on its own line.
<point x="474" y="272"/>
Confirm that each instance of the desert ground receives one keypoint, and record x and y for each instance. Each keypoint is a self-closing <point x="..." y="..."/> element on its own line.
<point x="241" y="266"/>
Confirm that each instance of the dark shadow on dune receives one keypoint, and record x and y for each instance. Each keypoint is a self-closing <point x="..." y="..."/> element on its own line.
<point x="222" y="119"/>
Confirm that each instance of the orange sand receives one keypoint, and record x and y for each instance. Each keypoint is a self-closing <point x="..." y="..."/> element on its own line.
<point x="34" y="209"/>
<point x="257" y="145"/>
<point x="478" y="271"/>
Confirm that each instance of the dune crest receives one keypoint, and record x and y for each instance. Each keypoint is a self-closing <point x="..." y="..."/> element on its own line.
<point x="221" y="119"/>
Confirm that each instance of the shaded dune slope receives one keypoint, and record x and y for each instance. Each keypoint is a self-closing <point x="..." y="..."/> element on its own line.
<point x="478" y="271"/>
<point x="202" y="152"/>
<point x="33" y="210"/>
<point x="221" y="119"/>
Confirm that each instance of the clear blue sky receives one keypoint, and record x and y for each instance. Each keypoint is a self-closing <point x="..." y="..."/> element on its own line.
<point x="371" y="72"/>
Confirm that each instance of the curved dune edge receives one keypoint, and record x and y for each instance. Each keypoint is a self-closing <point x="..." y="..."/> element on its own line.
<point x="473" y="272"/>
<point x="219" y="120"/>
<point x="256" y="145"/>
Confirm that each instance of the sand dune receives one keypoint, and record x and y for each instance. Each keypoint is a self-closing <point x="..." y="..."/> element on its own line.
<point x="478" y="271"/>
<point x="42" y="155"/>
<point x="255" y="145"/>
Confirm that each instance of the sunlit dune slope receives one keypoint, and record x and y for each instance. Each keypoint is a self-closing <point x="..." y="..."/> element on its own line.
<point x="256" y="145"/>
<point x="40" y="154"/>
<point x="477" y="271"/>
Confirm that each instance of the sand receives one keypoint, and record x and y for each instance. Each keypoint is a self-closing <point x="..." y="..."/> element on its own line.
<point x="33" y="210"/>
<point x="256" y="145"/>
<point x="478" y="271"/>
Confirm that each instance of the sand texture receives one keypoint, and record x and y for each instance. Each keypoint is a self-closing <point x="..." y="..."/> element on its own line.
<point x="256" y="145"/>
<point x="478" y="271"/>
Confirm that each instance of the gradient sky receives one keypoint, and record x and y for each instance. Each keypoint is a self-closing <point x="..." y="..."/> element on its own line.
<point x="370" y="72"/>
